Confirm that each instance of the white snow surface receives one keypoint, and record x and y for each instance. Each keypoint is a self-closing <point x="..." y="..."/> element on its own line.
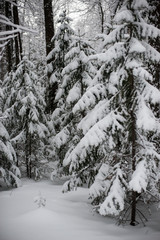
<point x="65" y="217"/>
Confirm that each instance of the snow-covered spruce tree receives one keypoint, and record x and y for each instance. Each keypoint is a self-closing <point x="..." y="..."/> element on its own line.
<point x="154" y="19"/>
<point x="77" y="76"/>
<point x="120" y="122"/>
<point x="27" y="107"/>
<point x="8" y="169"/>
<point x="56" y="58"/>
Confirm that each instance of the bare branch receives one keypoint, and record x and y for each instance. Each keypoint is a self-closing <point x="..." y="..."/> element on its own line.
<point x="6" y="21"/>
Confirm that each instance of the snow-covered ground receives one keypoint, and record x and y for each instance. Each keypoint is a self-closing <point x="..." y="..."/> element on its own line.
<point x="65" y="217"/>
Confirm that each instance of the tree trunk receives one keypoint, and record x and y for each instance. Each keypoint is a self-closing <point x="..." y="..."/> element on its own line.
<point x="134" y="194"/>
<point x="27" y="146"/>
<point x="101" y="13"/>
<point x="9" y="47"/>
<point x="18" y="42"/>
<point x="30" y="153"/>
<point x="133" y="144"/>
<point x="3" y="61"/>
<point x="26" y="152"/>
<point x="49" y="33"/>
<point x="49" y="24"/>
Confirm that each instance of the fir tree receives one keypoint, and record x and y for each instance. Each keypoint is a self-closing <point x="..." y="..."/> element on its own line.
<point x="120" y="119"/>
<point x="56" y="58"/>
<point x="25" y="111"/>
<point x="77" y="76"/>
<point x="8" y="160"/>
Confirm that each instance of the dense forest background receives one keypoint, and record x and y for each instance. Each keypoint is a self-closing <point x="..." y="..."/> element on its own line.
<point x="79" y="98"/>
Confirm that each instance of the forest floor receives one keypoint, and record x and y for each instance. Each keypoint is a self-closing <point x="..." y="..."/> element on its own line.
<point x="66" y="216"/>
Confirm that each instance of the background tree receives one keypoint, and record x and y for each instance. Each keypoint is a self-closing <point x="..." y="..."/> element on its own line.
<point x="77" y="76"/>
<point x="8" y="160"/>
<point x="94" y="16"/>
<point x="10" y="47"/>
<point x="26" y="104"/>
<point x="17" y="39"/>
<point x="49" y="24"/>
<point x="9" y="51"/>
<point x="56" y="58"/>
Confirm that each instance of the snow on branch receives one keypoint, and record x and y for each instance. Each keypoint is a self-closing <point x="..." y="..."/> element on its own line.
<point x="4" y="148"/>
<point x="148" y="151"/>
<point x="4" y="33"/>
<point x="6" y="21"/>
<point x="8" y="37"/>
<point x="18" y="138"/>
<point x="101" y="183"/>
<point x="139" y="179"/>
<point x="151" y="93"/>
<point x="142" y="73"/>
<point x="147" y="30"/>
<point x="74" y="94"/>
<point x="146" y="119"/>
<point x="114" y="202"/>
<point x="151" y="53"/>
<point x="136" y="46"/>
<point x="124" y="16"/>
<point x="93" y="138"/>
<point x="90" y="97"/>
<point x="61" y="138"/>
<point x="3" y="131"/>
<point x="113" y="53"/>
<point x="115" y="35"/>
<point x="93" y="116"/>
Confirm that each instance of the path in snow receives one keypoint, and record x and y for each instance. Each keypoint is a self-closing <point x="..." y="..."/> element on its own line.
<point x="65" y="217"/>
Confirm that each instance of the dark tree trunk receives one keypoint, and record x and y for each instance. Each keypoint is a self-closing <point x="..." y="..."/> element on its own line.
<point x="49" y="24"/>
<point x="18" y="42"/>
<point x="30" y="153"/>
<point x="27" y="152"/>
<point x="2" y="7"/>
<point x="3" y="61"/>
<point x="9" y="47"/>
<point x="134" y="194"/>
<point x="101" y="13"/>
<point x="27" y="146"/>
<point x="132" y="130"/>
<point x="50" y="98"/>
<point x="49" y="33"/>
